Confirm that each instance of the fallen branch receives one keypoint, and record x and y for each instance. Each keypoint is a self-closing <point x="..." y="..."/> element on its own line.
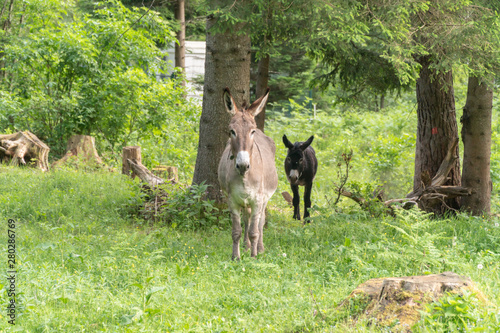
<point x="446" y="165"/>
<point x="144" y="174"/>
<point x="425" y="195"/>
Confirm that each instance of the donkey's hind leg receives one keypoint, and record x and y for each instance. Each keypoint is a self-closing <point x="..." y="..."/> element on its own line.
<point x="262" y="222"/>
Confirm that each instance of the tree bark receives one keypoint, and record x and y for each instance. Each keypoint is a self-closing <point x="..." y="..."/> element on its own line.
<point x="426" y="197"/>
<point x="261" y="86"/>
<point x="227" y="64"/>
<point x="437" y="130"/>
<point x="476" y="136"/>
<point x="6" y="27"/>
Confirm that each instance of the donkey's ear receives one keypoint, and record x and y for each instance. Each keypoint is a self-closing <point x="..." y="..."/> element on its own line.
<point x="259" y="104"/>
<point x="229" y="102"/>
<point x="306" y="144"/>
<point x="287" y="143"/>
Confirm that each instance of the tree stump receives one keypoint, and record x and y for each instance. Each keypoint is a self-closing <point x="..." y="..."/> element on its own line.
<point x="132" y="166"/>
<point x="82" y="147"/>
<point x="133" y="153"/>
<point x="26" y="148"/>
<point x="388" y="300"/>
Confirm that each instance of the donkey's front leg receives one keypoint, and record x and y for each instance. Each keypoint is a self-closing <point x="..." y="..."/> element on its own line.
<point x="246" y="217"/>
<point x="253" y="229"/>
<point x="296" y="202"/>
<point x="236" y="232"/>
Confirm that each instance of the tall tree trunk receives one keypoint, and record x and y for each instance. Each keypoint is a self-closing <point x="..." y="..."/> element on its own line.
<point x="476" y="136"/>
<point x="262" y="80"/>
<point x="5" y="25"/>
<point x="437" y="130"/>
<point x="227" y="64"/>
<point x="180" y="49"/>
<point x="261" y="86"/>
<point x="8" y="21"/>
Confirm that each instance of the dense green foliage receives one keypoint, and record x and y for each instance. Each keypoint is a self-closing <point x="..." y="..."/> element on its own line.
<point x="95" y="74"/>
<point x="86" y="261"/>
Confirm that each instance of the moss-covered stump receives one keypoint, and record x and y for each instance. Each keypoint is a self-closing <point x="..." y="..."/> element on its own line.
<point x="80" y="148"/>
<point x="396" y="302"/>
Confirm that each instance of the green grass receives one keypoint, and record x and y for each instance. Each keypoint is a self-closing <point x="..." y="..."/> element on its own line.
<point x="87" y="262"/>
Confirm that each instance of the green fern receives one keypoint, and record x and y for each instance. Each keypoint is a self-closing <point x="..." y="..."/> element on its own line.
<point x="415" y="231"/>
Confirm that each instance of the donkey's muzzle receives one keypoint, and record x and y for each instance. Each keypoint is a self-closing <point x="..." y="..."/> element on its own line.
<point x="242" y="167"/>
<point x="242" y="162"/>
<point x="294" y="176"/>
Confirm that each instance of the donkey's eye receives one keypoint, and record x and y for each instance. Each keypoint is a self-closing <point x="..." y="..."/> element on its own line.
<point x="301" y="160"/>
<point x="288" y="159"/>
<point x="232" y="132"/>
<point x="252" y="132"/>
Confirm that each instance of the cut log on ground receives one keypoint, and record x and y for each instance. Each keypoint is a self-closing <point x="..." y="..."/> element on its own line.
<point x="169" y="172"/>
<point x="81" y="147"/>
<point x="25" y="148"/>
<point x="144" y="174"/>
<point x="132" y="166"/>
<point x="397" y="301"/>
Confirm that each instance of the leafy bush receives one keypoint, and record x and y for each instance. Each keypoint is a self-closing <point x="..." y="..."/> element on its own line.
<point x="369" y="193"/>
<point x="91" y="74"/>
<point x="457" y="312"/>
<point x="175" y="143"/>
<point x="188" y="208"/>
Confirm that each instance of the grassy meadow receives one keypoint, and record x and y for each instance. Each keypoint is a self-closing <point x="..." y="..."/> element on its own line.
<point x="88" y="261"/>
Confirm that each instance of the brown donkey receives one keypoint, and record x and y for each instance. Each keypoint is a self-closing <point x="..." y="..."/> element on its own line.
<point x="247" y="173"/>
